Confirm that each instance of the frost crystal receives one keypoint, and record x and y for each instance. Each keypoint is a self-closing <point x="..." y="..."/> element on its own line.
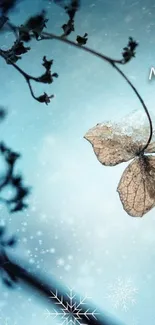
<point x="122" y="294"/>
<point x="73" y="311"/>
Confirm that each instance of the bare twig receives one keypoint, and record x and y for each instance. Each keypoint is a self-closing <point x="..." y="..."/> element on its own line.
<point x="43" y="98"/>
<point x="112" y="62"/>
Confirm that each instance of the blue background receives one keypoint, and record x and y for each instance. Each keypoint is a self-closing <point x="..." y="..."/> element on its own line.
<point x="75" y="227"/>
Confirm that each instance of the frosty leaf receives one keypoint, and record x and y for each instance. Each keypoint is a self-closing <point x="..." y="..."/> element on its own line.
<point x="113" y="145"/>
<point x="116" y="143"/>
<point x="150" y="148"/>
<point x="110" y="146"/>
<point x="137" y="186"/>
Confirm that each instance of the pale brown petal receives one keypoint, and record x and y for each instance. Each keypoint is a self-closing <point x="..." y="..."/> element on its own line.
<point x="150" y="148"/>
<point x="110" y="146"/>
<point x="137" y="186"/>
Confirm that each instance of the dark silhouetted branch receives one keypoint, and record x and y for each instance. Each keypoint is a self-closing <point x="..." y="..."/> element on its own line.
<point x="128" y="53"/>
<point x="47" y="289"/>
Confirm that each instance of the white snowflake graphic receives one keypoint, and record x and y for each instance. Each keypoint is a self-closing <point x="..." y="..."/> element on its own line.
<point x="72" y="312"/>
<point x="122" y="294"/>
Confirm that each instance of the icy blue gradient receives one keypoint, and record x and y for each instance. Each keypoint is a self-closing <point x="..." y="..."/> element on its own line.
<point x="76" y="228"/>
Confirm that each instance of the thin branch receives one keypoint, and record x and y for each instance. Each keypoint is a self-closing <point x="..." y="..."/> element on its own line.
<point x="27" y="78"/>
<point x="143" y="104"/>
<point x="49" y="36"/>
<point x="128" y="53"/>
<point x="113" y="62"/>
